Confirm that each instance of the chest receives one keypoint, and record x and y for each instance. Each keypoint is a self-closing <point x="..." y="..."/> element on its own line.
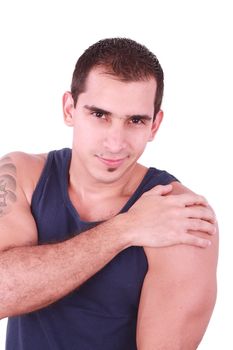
<point x="97" y="209"/>
<point x="115" y="290"/>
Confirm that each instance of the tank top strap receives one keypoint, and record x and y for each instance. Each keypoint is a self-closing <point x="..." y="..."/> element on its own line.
<point x="152" y="178"/>
<point x="58" y="161"/>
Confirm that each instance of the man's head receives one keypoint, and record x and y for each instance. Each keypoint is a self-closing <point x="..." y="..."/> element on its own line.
<point x="120" y="57"/>
<point x="113" y="108"/>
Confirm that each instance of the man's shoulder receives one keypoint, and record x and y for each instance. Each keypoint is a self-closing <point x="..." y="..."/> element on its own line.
<point x="24" y="157"/>
<point x="183" y="251"/>
<point x="179" y="188"/>
<point x="23" y="162"/>
<point x="26" y="169"/>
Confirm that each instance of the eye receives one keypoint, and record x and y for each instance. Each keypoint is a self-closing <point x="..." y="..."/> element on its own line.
<point x="100" y="115"/>
<point x="137" y="120"/>
<point x="97" y="114"/>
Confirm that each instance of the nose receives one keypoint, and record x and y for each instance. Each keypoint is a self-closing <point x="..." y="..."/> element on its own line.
<point x="115" y="139"/>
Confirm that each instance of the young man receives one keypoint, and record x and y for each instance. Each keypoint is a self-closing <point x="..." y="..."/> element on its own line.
<point x="97" y="251"/>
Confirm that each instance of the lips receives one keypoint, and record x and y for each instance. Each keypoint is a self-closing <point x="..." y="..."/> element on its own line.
<point x="114" y="163"/>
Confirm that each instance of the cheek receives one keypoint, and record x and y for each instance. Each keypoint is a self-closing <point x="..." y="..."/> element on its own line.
<point x="84" y="135"/>
<point x="140" y="137"/>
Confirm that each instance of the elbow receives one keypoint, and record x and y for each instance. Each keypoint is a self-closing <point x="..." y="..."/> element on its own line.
<point x="10" y="305"/>
<point x="3" y="309"/>
<point x="3" y="306"/>
<point x="8" y="301"/>
<point x="7" y="310"/>
<point x="2" y="315"/>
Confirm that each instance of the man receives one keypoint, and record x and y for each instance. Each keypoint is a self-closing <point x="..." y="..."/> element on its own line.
<point x="99" y="252"/>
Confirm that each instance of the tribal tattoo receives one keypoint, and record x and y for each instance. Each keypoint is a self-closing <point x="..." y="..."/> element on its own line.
<point x="7" y="185"/>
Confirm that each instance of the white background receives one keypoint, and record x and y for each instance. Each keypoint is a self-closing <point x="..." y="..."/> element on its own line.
<point x="40" y="43"/>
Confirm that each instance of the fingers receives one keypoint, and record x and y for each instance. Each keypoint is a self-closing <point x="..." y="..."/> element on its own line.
<point x="189" y="199"/>
<point x="200" y="212"/>
<point x="195" y="241"/>
<point x="160" y="190"/>
<point x="201" y="225"/>
<point x="183" y="200"/>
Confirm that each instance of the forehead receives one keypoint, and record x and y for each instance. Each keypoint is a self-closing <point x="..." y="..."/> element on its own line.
<point x="108" y="91"/>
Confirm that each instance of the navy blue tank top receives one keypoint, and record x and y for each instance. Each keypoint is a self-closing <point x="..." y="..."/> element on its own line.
<point x="102" y="313"/>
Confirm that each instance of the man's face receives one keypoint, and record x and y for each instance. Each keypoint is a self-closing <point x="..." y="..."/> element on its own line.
<point x="112" y="121"/>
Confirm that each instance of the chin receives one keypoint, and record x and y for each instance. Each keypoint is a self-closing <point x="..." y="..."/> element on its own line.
<point x="108" y="176"/>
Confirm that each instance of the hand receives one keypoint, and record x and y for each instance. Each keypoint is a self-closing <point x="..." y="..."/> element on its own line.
<point x="157" y="220"/>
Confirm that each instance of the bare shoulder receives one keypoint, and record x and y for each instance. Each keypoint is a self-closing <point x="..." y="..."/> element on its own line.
<point x="22" y="169"/>
<point x="179" y="188"/>
<point x="19" y="174"/>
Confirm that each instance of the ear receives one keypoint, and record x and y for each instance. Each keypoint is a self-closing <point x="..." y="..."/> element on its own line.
<point x="68" y="108"/>
<point x="156" y="125"/>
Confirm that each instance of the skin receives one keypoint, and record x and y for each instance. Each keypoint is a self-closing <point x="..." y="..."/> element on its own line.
<point x="7" y="185"/>
<point x="178" y="294"/>
<point x="117" y="117"/>
<point x="119" y="135"/>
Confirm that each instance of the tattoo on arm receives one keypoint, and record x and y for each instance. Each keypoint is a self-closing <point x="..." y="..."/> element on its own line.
<point x="7" y="185"/>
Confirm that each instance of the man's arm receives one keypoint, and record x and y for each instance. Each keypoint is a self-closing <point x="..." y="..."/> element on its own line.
<point x="178" y="295"/>
<point x="35" y="276"/>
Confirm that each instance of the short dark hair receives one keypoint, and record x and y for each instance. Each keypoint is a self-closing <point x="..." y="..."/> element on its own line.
<point x="121" y="57"/>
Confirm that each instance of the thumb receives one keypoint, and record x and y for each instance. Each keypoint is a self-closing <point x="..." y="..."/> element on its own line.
<point x="161" y="190"/>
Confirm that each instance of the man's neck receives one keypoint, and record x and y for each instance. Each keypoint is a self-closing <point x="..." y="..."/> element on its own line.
<point x="85" y="186"/>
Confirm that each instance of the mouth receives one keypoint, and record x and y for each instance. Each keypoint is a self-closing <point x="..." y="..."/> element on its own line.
<point x="113" y="163"/>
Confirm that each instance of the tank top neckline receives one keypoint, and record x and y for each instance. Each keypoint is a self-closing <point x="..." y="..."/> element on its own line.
<point x="69" y="204"/>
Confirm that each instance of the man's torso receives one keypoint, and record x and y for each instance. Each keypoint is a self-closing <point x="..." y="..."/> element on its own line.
<point x="102" y="313"/>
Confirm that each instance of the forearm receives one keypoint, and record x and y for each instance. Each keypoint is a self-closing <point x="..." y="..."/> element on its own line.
<point x="34" y="277"/>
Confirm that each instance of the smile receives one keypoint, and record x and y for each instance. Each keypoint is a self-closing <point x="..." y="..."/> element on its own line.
<point x="114" y="163"/>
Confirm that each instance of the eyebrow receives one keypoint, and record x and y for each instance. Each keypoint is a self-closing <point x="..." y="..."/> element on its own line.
<point x="101" y="110"/>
